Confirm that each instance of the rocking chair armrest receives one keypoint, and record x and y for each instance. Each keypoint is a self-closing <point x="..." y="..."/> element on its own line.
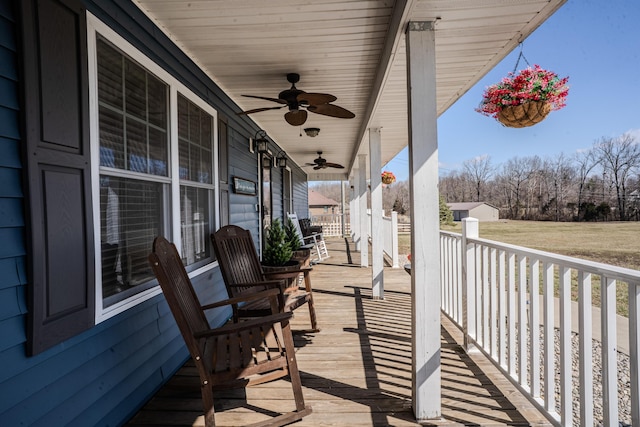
<point x="270" y="283"/>
<point x="312" y="238"/>
<point x="244" y="298"/>
<point x="289" y="273"/>
<point x="241" y="326"/>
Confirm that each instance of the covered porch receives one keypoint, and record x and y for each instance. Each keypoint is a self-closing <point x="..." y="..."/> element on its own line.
<point x="357" y="370"/>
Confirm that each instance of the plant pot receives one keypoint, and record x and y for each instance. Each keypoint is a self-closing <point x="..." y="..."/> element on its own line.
<point x="288" y="272"/>
<point x="290" y="265"/>
<point x="387" y="181"/>
<point x="524" y="115"/>
<point x="302" y="256"/>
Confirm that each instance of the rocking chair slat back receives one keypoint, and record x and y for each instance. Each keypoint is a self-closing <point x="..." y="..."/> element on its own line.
<point x="241" y="263"/>
<point x="168" y="267"/>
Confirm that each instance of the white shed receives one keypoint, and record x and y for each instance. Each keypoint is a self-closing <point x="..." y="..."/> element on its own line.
<point x="480" y="210"/>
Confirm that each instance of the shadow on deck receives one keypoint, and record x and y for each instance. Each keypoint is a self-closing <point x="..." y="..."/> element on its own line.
<point x="357" y="370"/>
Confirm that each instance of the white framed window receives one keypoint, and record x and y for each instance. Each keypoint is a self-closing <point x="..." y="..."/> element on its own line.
<point x="154" y="157"/>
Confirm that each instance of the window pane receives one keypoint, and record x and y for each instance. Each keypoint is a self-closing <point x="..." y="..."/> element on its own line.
<point x="109" y="74"/>
<point x="157" y="102"/>
<point x="135" y="82"/>
<point x="206" y="166"/>
<point x="131" y="216"/>
<point x="111" y="139"/>
<point x="183" y="147"/>
<point x="136" y="146"/>
<point x="195" y="142"/>
<point x="158" y="156"/>
<point x="194" y="124"/>
<point x="195" y="217"/>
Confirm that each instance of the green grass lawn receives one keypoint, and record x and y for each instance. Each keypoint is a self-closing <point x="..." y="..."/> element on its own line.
<point x="615" y="243"/>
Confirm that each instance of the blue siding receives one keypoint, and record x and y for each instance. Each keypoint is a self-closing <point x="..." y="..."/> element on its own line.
<point x="243" y="163"/>
<point x="300" y="193"/>
<point x="102" y="376"/>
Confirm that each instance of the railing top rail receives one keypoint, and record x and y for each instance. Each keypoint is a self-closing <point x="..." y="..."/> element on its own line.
<point x="611" y="271"/>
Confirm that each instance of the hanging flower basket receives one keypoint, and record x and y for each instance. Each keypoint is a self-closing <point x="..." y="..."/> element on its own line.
<point x="525" y="99"/>
<point x="388" y="177"/>
<point x="523" y="115"/>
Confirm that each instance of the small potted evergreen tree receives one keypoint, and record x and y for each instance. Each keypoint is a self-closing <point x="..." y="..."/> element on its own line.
<point x="277" y="251"/>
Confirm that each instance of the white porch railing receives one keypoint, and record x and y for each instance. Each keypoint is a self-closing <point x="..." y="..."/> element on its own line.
<point x="390" y="237"/>
<point x="332" y="224"/>
<point x="515" y="305"/>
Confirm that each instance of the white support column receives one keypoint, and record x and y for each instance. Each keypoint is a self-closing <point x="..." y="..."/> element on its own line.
<point x="377" y="227"/>
<point x="362" y="210"/>
<point x="425" y="248"/>
<point x="355" y="211"/>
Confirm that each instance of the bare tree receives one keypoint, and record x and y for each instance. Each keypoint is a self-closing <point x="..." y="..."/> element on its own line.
<point x="562" y="174"/>
<point x="585" y="161"/>
<point x="620" y="157"/>
<point x="479" y="171"/>
<point x="515" y="174"/>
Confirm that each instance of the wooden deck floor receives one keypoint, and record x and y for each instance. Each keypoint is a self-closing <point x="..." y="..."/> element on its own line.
<point x="357" y="370"/>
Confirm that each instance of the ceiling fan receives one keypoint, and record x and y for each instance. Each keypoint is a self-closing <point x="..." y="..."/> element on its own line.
<point x="321" y="163"/>
<point x="299" y="102"/>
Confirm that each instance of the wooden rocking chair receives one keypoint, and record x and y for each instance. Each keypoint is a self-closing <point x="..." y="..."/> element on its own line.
<point x="243" y="273"/>
<point x="313" y="238"/>
<point x="236" y="354"/>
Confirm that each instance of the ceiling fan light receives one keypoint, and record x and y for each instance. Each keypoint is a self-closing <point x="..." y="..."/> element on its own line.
<point x="312" y="132"/>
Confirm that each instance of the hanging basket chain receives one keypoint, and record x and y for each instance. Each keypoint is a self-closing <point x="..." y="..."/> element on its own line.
<point x="520" y="56"/>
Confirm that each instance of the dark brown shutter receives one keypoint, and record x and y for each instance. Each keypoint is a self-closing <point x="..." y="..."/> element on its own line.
<point x="56" y="134"/>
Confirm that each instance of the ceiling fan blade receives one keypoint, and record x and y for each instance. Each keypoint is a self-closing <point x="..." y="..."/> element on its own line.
<point x="296" y="117"/>
<point x="333" y="165"/>
<point x="257" y="110"/>
<point x="279" y="101"/>
<point x="331" y="110"/>
<point x="318" y="167"/>
<point x="315" y="98"/>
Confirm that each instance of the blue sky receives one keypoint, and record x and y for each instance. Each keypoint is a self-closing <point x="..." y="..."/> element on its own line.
<point x="594" y="42"/>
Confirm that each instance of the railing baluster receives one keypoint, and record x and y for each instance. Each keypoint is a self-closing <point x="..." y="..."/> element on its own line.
<point x="479" y="296"/>
<point x="502" y="309"/>
<point x="634" y="342"/>
<point x="609" y="353"/>
<point x="566" y="367"/>
<point x="493" y="288"/>
<point x="549" y="342"/>
<point x="486" y="342"/>
<point x="445" y="272"/>
<point x="534" y="327"/>
<point x="458" y="296"/>
<point x="511" y="312"/>
<point x="586" y="347"/>
<point x="522" y="320"/>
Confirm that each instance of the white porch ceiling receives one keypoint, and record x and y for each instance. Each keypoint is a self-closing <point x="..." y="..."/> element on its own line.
<point x="353" y="49"/>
